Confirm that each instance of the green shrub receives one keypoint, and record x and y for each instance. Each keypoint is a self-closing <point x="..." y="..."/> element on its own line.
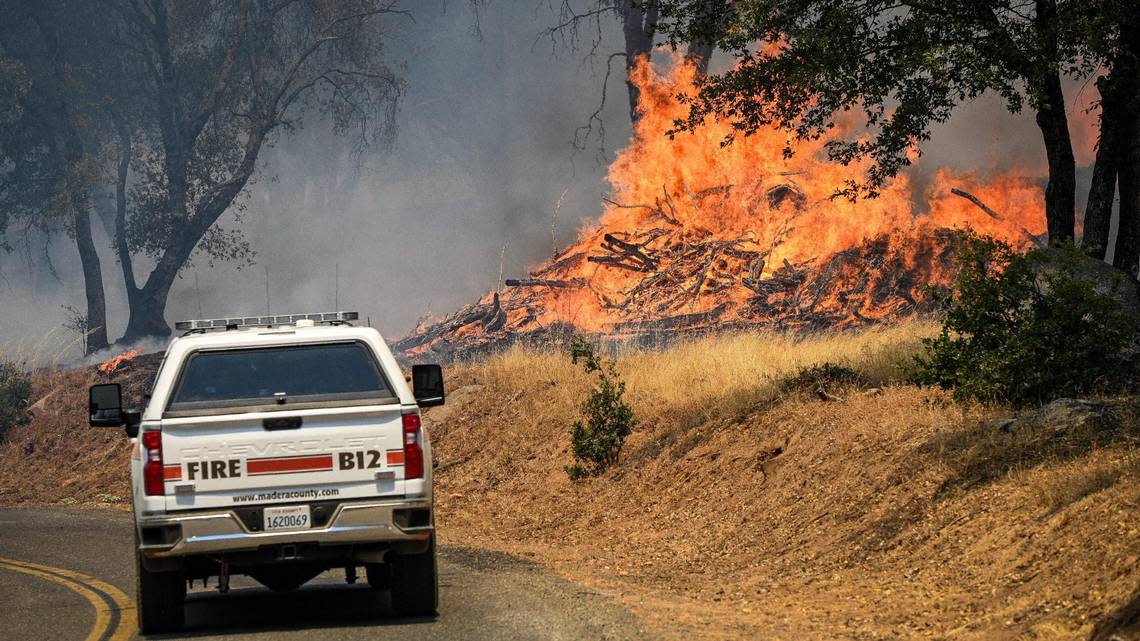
<point x="1027" y="328"/>
<point x="15" y="390"/>
<point x="821" y="377"/>
<point x="596" y="441"/>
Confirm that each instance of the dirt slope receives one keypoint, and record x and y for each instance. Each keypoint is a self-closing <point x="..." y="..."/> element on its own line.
<point x="57" y="458"/>
<point x="741" y="511"/>
<point x="893" y="513"/>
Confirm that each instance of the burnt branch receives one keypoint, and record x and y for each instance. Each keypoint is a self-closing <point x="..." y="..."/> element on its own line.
<point x="583" y="132"/>
<point x="1038" y="239"/>
<point x="543" y="282"/>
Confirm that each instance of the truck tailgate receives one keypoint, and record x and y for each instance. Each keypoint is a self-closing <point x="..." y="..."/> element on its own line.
<point x="283" y="456"/>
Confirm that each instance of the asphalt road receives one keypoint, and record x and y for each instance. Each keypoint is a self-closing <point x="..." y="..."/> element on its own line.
<point x="69" y="574"/>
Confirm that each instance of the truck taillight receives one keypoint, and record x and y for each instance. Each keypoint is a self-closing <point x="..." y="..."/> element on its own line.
<point x="153" y="482"/>
<point x="413" y="453"/>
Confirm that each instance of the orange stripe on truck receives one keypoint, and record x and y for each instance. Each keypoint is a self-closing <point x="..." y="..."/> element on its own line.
<point x="317" y="463"/>
<point x="395" y="457"/>
<point x="172" y="472"/>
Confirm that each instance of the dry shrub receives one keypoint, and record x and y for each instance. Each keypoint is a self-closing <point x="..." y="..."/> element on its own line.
<point x="15" y="389"/>
<point x="821" y="379"/>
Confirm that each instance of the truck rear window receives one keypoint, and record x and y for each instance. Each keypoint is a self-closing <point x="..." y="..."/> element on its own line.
<point x="309" y="373"/>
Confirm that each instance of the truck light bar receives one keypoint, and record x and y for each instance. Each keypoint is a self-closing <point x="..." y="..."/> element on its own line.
<point x="264" y="321"/>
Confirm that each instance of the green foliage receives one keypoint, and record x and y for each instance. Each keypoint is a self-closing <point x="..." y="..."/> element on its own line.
<point x="818" y="377"/>
<point x="1026" y="328"/>
<point x="890" y="69"/>
<point x="15" y="390"/>
<point x="596" y="441"/>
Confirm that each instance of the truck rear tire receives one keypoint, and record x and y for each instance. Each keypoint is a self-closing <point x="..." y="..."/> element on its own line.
<point x="415" y="588"/>
<point x="159" y="597"/>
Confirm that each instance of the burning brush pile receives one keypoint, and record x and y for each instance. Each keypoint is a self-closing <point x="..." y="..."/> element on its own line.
<point x="700" y="236"/>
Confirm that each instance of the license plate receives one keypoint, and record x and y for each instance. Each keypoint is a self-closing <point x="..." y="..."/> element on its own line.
<point x="290" y="517"/>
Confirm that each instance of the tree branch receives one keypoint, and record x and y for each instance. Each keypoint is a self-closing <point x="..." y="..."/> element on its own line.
<point x="210" y="100"/>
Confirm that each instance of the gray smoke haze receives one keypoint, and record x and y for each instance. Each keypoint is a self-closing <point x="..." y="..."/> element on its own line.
<point x="482" y="156"/>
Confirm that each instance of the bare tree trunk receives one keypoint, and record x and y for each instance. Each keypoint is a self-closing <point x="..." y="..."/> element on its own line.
<point x="148" y="312"/>
<point x="148" y="305"/>
<point x="1102" y="191"/>
<point x="122" y="249"/>
<point x="700" y="50"/>
<point x="638" y="25"/>
<point x="1127" y="253"/>
<point x="81" y="217"/>
<point x="1060" y="192"/>
<point x="92" y="278"/>
<point x="69" y="148"/>
<point x="698" y="54"/>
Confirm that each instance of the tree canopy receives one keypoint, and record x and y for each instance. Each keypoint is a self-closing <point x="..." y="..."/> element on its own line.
<point x="162" y="108"/>
<point x="897" y="68"/>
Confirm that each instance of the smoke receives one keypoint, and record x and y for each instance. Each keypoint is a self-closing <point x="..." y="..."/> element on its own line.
<point x="481" y="159"/>
<point x="483" y="154"/>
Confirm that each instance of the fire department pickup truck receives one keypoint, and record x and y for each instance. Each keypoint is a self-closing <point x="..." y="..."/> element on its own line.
<point x="279" y="447"/>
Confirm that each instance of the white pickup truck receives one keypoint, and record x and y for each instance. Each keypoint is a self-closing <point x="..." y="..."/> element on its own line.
<point x="279" y="447"/>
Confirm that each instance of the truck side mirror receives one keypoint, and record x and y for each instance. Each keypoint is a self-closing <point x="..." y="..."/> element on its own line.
<point x="106" y="405"/>
<point x="427" y="385"/>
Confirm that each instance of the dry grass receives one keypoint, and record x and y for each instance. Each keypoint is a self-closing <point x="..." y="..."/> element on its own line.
<point x="739" y="511"/>
<point x="56" y="346"/>
<point x="716" y="377"/>
<point x="1066" y="483"/>
<point x="727" y="376"/>
<point x="57" y="458"/>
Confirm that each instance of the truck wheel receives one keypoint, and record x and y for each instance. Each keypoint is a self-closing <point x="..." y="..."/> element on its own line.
<point x="160" y="597"/>
<point x="415" y="591"/>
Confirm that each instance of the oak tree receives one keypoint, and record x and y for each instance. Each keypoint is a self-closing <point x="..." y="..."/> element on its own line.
<point x="217" y="82"/>
<point x="901" y="66"/>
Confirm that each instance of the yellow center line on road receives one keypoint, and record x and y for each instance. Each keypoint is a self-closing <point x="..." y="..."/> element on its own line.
<point x="107" y="627"/>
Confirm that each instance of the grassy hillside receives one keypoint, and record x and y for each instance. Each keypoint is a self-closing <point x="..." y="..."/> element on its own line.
<point x="57" y="458"/>
<point x="746" y="511"/>
<point x="745" y="506"/>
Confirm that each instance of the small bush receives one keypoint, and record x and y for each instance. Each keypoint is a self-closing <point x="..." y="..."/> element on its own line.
<point x="596" y="441"/>
<point x="821" y="377"/>
<point x="1026" y="328"/>
<point x="15" y="390"/>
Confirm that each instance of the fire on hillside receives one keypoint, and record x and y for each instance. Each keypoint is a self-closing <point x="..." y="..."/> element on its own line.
<point x="119" y="363"/>
<point x="697" y="235"/>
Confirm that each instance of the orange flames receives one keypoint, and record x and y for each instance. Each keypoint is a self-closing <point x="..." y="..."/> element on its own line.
<point x="120" y="362"/>
<point x="741" y="219"/>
